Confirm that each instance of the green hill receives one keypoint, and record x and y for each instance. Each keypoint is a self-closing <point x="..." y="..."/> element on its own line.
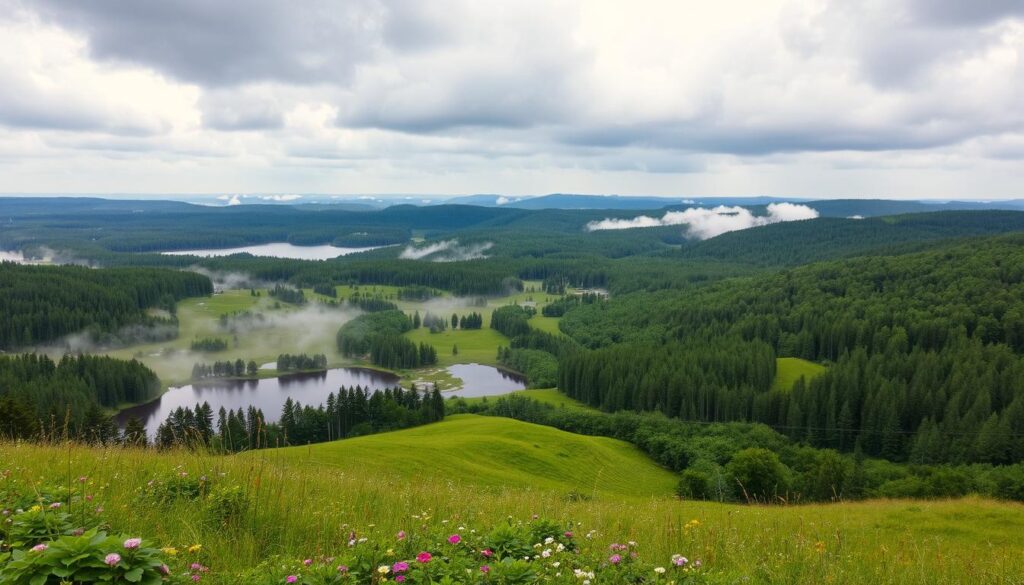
<point x="496" y="452"/>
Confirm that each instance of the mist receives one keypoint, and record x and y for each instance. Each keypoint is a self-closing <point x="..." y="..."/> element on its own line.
<point x="447" y="251"/>
<point x="702" y="223"/>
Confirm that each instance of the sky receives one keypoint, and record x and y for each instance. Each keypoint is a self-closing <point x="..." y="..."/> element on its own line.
<point x="797" y="98"/>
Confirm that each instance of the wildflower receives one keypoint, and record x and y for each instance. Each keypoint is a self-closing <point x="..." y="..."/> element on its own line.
<point x="697" y="564"/>
<point x="455" y="539"/>
<point x="112" y="559"/>
<point x="35" y="508"/>
<point x="196" y="567"/>
<point x="342" y="569"/>
<point x="400" y="579"/>
<point x="169" y="551"/>
<point x="55" y="505"/>
<point x="78" y="532"/>
<point x="132" y="543"/>
<point x="291" y="579"/>
<point x="819" y="546"/>
<point x="487" y="552"/>
<point x="400" y="567"/>
<point x="39" y="548"/>
<point x="307" y="562"/>
<point x="659" y="570"/>
<point x="679" y="560"/>
<point x="165" y="570"/>
<point x="423" y="557"/>
<point x="546" y="553"/>
<point x="195" y="548"/>
<point x="196" y="578"/>
<point x="567" y="534"/>
<point x="549" y="540"/>
<point x="485" y="569"/>
<point x="383" y="569"/>
<point x="390" y="552"/>
<point x="82" y="479"/>
<point x="400" y="535"/>
<point x="615" y="559"/>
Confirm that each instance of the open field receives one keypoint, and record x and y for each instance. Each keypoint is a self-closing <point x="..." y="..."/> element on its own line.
<point x="788" y="370"/>
<point x="305" y="501"/>
<point x="544" y="395"/>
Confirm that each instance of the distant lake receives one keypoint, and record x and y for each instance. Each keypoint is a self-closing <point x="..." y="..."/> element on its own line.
<point x="278" y="250"/>
<point x="268" y="394"/>
<point x="478" y="380"/>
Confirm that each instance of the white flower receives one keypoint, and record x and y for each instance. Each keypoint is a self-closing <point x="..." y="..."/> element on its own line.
<point x="659" y="570"/>
<point x="546" y="553"/>
<point x="560" y="547"/>
<point x="549" y="540"/>
<point x="383" y="569"/>
<point x="556" y="564"/>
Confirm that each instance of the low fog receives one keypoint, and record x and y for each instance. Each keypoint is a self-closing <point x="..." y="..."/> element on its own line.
<point x="705" y="223"/>
<point x="447" y="251"/>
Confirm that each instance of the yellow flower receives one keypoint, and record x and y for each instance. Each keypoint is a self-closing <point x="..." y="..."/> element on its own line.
<point x="169" y="551"/>
<point x="195" y="548"/>
<point x="819" y="546"/>
<point x="390" y="552"/>
<point x="383" y="569"/>
<point x="35" y="508"/>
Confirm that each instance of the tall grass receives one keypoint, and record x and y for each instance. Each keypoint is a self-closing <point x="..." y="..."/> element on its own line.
<point x="300" y="509"/>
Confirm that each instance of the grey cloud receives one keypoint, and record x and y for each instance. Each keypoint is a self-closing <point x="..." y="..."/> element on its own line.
<point x="965" y="12"/>
<point x="236" y="111"/>
<point x="226" y="43"/>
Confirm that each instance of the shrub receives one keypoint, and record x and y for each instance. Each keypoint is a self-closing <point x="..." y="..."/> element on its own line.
<point x="759" y="473"/>
<point x="694" y="485"/>
<point x="92" y="557"/>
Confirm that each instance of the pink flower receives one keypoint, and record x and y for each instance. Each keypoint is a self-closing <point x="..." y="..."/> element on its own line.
<point x="196" y="567"/>
<point x="112" y="559"/>
<point x="196" y="578"/>
<point x="39" y="548"/>
<point x="165" y="570"/>
<point x="342" y="569"/>
<point x="55" y="505"/>
<point x="615" y="559"/>
<point x="132" y="543"/>
<point x="400" y="579"/>
<point x="487" y="552"/>
<point x="400" y="535"/>
<point x="568" y="534"/>
<point x="291" y="579"/>
<point x="400" y="567"/>
<point x="485" y="569"/>
<point x="423" y="557"/>
<point x="455" y="539"/>
<point x="82" y="479"/>
<point x="307" y="562"/>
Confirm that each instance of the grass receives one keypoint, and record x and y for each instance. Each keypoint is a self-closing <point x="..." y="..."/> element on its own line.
<point x="544" y="395"/>
<point x="469" y="446"/>
<point x="475" y="345"/>
<point x="788" y="370"/>
<point x="306" y="500"/>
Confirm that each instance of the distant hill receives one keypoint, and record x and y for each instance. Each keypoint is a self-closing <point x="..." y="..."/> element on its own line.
<point x="799" y="242"/>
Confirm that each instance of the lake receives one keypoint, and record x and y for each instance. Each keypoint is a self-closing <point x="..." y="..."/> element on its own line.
<point x="478" y="380"/>
<point x="277" y="250"/>
<point x="268" y="394"/>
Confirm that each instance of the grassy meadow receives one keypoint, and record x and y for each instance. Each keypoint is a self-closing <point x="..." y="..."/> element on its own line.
<point x="789" y="369"/>
<point x="475" y="474"/>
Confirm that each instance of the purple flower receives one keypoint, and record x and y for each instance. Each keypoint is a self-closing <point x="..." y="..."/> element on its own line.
<point x="568" y="534"/>
<point x="342" y="569"/>
<point x="165" y="570"/>
<point x="291" y="579"/>
<point x="132" y="543"/>
<point x="55" y="505"/>
<point x="423" y="557"/>
<point x="307" y="562"/>
<point x="455" y="539"/>
<point x="487" y="552"/>
<point x="400" y="567"/>
<point x="39" y="548"/>
<point x="485" y="569"/>
<point x="400" y="535"/>
<point x="112" y="559"/>
<point x="615" y="559"/>
<point x="400" y="579"/>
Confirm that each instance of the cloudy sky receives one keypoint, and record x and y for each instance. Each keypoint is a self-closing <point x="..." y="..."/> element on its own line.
<point x="864" y="98"/>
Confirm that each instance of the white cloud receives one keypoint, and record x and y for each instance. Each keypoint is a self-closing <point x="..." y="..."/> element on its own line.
<point x="805" y="98"/>
<point x="702" y="223"/>
<point x="502" y="201"/>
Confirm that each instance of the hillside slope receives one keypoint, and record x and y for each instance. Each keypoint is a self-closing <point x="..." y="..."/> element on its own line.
<point x="496" y="452"/>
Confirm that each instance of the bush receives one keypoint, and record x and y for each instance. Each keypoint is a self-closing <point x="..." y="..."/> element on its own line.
<point x="694" y="485"/>
<point x="226" y="506"/>
<point x="759" y="473"/>
<point x="92" y="557"/>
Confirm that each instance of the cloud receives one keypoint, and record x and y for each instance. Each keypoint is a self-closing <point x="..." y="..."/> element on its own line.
<point x="705" y="223"/>
<point x="502" y="201"/>
<point x="446" y="251"/>
<point x="280" y="198"/>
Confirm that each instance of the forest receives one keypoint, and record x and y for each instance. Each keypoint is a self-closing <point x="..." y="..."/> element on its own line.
<point x="40" y="304"/>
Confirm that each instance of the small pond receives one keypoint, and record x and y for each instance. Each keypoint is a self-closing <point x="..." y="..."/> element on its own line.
<point x="479" y="380"/>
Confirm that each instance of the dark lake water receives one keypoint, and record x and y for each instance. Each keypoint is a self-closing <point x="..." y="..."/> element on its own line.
<point x="278" y="250"/>
<point x="478" y="380"/>
<point x="268" y="394"/>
